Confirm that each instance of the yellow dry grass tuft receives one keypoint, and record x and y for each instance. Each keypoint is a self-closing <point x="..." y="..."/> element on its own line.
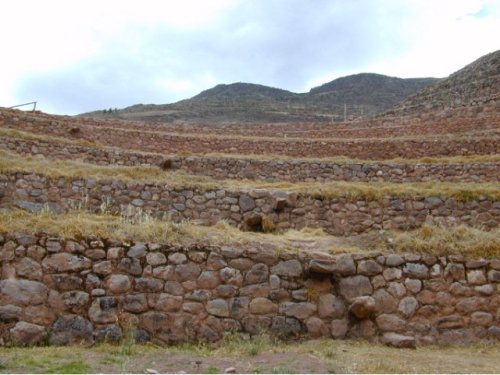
<point x="443" y="240"/>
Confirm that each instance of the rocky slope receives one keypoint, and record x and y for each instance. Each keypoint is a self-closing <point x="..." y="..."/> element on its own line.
<point x="362" y="94"/>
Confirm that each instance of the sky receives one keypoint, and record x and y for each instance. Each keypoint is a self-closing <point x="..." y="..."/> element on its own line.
<point x="77" y="56"/>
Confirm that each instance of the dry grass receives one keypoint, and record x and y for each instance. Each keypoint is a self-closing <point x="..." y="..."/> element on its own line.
<point x="10" y="162"/>
<point x="252" y="138"/>
<point x="15" y="133"/>
<point x="258" y="355"/>
<point x="21" y="134"/>
<point x="441" y="240"/>
<point x="431" y="239"/>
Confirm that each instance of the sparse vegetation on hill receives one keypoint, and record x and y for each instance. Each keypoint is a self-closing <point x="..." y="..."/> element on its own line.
<point x="362" y="94"/>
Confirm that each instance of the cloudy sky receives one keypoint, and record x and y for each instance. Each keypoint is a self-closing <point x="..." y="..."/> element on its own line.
<point x="77" y="56"/>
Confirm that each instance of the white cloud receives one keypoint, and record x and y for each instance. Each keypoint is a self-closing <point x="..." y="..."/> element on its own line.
<point x="75" y="56"/>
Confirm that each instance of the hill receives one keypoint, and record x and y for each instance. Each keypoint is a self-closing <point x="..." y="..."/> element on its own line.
<point x="361" y="95"/>
<point x="477" y="84"/>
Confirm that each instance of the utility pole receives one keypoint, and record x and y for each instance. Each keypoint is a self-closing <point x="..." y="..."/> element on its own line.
<point x="345" y="112"/>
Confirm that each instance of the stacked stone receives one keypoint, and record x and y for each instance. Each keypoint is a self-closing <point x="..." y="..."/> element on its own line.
<point x="285" y="210"/>
<point x="368" y="148"/>
<point x="68" y="291"/>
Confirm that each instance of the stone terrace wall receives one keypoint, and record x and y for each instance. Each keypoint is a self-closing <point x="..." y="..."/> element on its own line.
<point x="437" y="122"/>
<point x="269" y="170"/>
<point x="244" y="207"/>
<point x="73" y="291"/>
<point x="361" y="149"/>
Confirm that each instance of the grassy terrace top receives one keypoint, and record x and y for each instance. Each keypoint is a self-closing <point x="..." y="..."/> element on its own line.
<point x="19" y="134"/>
<point x="12" y="163"/>
<point x="430" y="239"/>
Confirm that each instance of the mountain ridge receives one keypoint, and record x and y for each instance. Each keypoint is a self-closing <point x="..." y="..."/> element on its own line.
<point x="364" y="94"/>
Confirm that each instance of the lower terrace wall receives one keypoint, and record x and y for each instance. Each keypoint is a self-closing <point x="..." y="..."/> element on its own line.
<point x="93" y="289"/>
<point x="269" y="170"/>
<point x="244" y="207"/>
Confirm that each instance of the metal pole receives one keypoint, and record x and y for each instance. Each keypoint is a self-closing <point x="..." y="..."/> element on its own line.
<point x="21" y="105"/>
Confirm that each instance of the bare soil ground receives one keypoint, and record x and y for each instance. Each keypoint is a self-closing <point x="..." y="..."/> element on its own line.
<point x="255" y="356"/>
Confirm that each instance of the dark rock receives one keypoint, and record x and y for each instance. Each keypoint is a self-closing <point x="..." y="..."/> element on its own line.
<point x="71" y="329"/>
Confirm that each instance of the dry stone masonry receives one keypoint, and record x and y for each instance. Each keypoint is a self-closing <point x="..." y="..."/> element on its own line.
<point x="243" y="207"/>
<point x="93" y="289"/>
<point x="268" y="170"/>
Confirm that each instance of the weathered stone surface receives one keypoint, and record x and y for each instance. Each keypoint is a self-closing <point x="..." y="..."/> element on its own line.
<point x="75" y="300"/>
<point x="355" y="286"/>
<point x="10" y="313"/>
<point x="494" y="276"/>
<point x="25" y="333"/>
<point x="148" y="284"/>
<point x="29" y="268"/>
<point x="394" y="260"/>
<point x="300" y="310"/>
<point x="262" y="306"/>
<point x="7" y="251"/>
<point x="416" y="270"/>
<point x="450" y="322"/>
<point x="36" y="252"/>
<point x="384" y="302"/>
<point x="117" y="284"/>
<point x="198" y="295"/>
<point x="110" y="333"/>
<point x="139" y="250"/>
<point x="408" y="306"/>
<point x="481" y="318"/>
<point x="246" y="203"/>
<point x="259" y="273"/>
<point x="413" y="285"/>
<point x="188" y="271"/>
<point x="330" y="306"/>
<point x="64" y="262"/>
<point x="454" y="271"/>
<point x="396" y="289"/>
<point x="174" y="287"/>
<point x="239" y="307"/>
<point x="215" y="261"/>
<point x="154" y="322"/>
<point x="392" y="273"/>
<point x="398" y="341"/>
<point x="218" y="307"/>
<point x="231" y="276"/>
<point x="156" y="258"/>
<point x="339" y="328"/>
<point x="169" y="303"/>
<point x="135" y="303"/>
<point x="71" y="329"/>
<point x="476" y="277"/>
<point x="390" y="322"/>
<point x="342" y="264"/>
<point x="104" y="310"/>
<point x="285" y="327"/>
<point x="362" y="307"/>
<point x="208" y="280"/>
<point x="130" y="265"/>
<point x="22" y="292"/>
<point x="288" y="268"/>
<point x="369" y="267"/>
<point x="177" y="258"/>
<point x="103" y="268"/>
<point x="316" y="327"/>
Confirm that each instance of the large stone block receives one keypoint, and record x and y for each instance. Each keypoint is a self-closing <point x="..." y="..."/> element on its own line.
<point x="22" y="292"/>
<point x="355" y="286"/>
<point x="65" y="262"/>
<point x="25" y="333"/>
<point x="71" y="329"/>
